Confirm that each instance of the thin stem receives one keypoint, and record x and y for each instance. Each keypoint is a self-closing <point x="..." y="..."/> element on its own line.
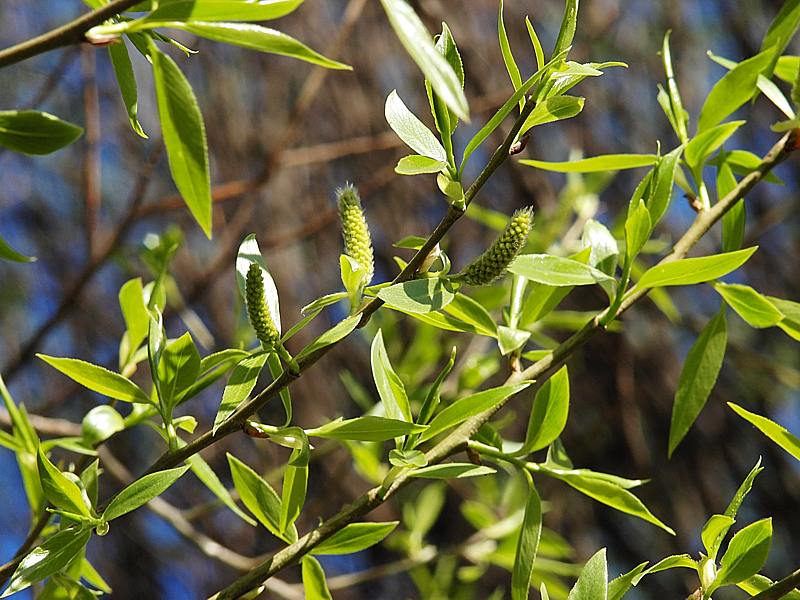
<point x="781" y="588"/>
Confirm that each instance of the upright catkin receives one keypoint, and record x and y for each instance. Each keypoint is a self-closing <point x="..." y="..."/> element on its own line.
<point x="355" y="231"/>
<point x="493" y="262"/>
<point x="260" y="317"/>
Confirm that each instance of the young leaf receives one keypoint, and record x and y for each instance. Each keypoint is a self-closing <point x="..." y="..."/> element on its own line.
<point x="689" y="271"/>
<point x="134" y="311"/>
<point x="418" y="43"/>
<point x="548" y="414"/>
<point x="241" y="383"/>
<point x="365" y="429"/>
<point x="35" y="132"/>
<point x="208" y="477"/>
<point x="659" y="199"/>
<point x="259" y="498"/>
<point x="218" y="10"/>
<point x="706" y="143"/>
<point x="508" y="56"/>
<point x="555" y="271"/>
<point x="295" y="482"/>
<point x="527" y="544"/>
<point x="451" y="471"/>
<point x="101" y="423"/>
<point x="314" y="585"/>
<point x="620" y="586"/>
<point x="568" y="25"/>
<point x="53" y="555"/>
<point x="734" y="89"/>
<point x="184" y="136"/>
<point x="460" y="410"/>
<point x="123" y="70"/>
<point x="339" y="331"/>
<point x="8" y="253"/>
<point x="418" y="165"/>
<point x="177" y="370"/>
<point x="355" y="537"/>
<point x="698" y="377"/>
<point x="777" y="433"/>
<point x="98" y="379"/>
<point x="595" y="164"/>
<point x="390" y="387"/>
<point x="750" y="305"/>
<point x="638" y="226"/>
<point x="733" y="221"/>
<point x="746" y="553"/>
<point x="411" y="130"/>
<point x="714" y="532"/>
<point x="781" y="31"/>
<point x="418" y="295"/>
<point x="592" y="583"/>
<point x="61" y="491"/>
<point x="553" y="109"/>
<point x="407" y="458"/>
<point x="141" y="491"/>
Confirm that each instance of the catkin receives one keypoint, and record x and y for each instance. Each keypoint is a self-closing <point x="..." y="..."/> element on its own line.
<point x="491" y="264"/>
<point x="355" y="231"/>
<point x="260" y="317"/>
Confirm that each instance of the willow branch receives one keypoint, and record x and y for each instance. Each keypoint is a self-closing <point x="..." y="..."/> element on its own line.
<point x="781" y="588"/>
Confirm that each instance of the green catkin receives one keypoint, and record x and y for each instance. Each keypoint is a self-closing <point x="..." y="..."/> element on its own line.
<point x="491" y="264"/>
<point x="355" y="231"/>
<point x="260" y="317"/>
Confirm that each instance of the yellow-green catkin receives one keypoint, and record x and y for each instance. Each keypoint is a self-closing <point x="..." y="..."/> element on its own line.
<point x="355" y="231"/>
<point x="491" y="264"/>
<point x="260" y="317"/>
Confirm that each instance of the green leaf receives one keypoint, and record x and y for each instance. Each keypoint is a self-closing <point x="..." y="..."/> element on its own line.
<point x="603" y="247"/>
<point x="714" y="532"/>
<point x="61" y="491"/>
<point x="141" y="491"/>
<point x="548" y="414"/>
<point x="355" y="537"/>
<point x="8" y="253"/>
<point x="407" y="458"/>
<point x="676" y="561"/>
<point x="249" y="252"/>
<point x="464" y="408"/>
<point x="749" y="304"/>
<point x="433" y="397"/>
<point x="595" y="164"/>
<point x="638" y="226"/>
<point x="418" y="43"/>
<point x="184" y="136"/>
<point x="314" y="585"/>
<point x="568" y="25"/>
<point x="418" y="165"/>
<point x="135" y="313"/>
<point x="49" y="558"/>
<point x="509" y="339"/>
<point x="592" y="583"/>
<point x="445" y="119"/>
<point x="781" y="31"/>
<point x="177" y="370"/>
<point x="390" y="387"/>
<point x="218" y="10"/>
<point x="472" y="312"/>
<point x="259" y="498"/>
<point x="704" y="144"/>
<point x="208" y="477"/>
<point x="411" y="130"/>
<point x="35" y="132"/>
<point x="365" y="429"/>
<point x="689" y="271"/>
<point x="418" y="295"/>
<point x="553" y="109"/>
<point x="777" y="433"/>
<point x="664" y="178"/>
<point x="338" y="332"/>
<point x="746" y="553"/>
<point x="241" y="383"/>
<point x="744" y="489"/>
<point x="620" y="586"/>
<point x="733" y="221"/>
<point x="527" y="543"/>
<point x="556" y="271"/>
<point x="734" y="89"/>
<point x="451" y="471"/>
<point x="123" y="70"/>
<point x="295" y="482"/>
<point x="101" y="423"/>
<point x="508" y="56"/>
<point x="98" y="379"/>
<point x="698" y="376"/>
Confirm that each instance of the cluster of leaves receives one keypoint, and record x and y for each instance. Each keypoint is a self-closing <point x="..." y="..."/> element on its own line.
<point x="391" y="441"/>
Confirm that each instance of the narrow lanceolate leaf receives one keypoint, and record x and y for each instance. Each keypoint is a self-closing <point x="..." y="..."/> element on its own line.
<point x="241" y="383"/>
<point x="177" y="370"/>
<point x="451" y="471"/>
<point x="618" y="587"/>
<point x="256" y="37"/>
<point x="746" y="553"/>
<point x="49" y="558"/>
<point x="141" y="492"/>
<point x="218" y="10"/>
<point x="419" y="295"/>
<point x="390" y="387"/>
<point x="355" y="537"/>
<point x="461" y="410"/>
<point x="295" y="481"/>
<point x="206" y="474"/>
<point x="638" y="226"/>
<point x="123" y="70"/>
<point x="8" y="253"/>
<point x="706" y="143"/>
<point x="777" y="433"/>
<point x="411" y="130"/>
<point x="556" y="271"/>
<point x="592" y="583"/>
<point x="314" y="585"/>
<point x="416" y="164"/>
<point x="689" y="271"/>
<point x="184" y="136"/>
<point x="508" y="56"/>
<point x="61" y="491"/>
<point x="548" y="414"/>
<point x="419" y="44"/>
<point x="714" y="532"/>
<point x="659" y="199"/>
<point x="553" y="109"/>
<point x="366" y="429"/>
<point x="339" y="331"/>
<point x="749" y="304"/>
<point x="734" y="89"/>
<point x="98" y="379"/>
<point x="527" y="544"/>
<point x="35" y="132"/>
<point x="568" y="25"/>
<point x="781" y="31"/>
<point x="595" y="164"/>
<point x="698" y="377"/>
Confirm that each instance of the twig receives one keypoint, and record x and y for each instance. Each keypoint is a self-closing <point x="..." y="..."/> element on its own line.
<point x="781" y="588"/>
